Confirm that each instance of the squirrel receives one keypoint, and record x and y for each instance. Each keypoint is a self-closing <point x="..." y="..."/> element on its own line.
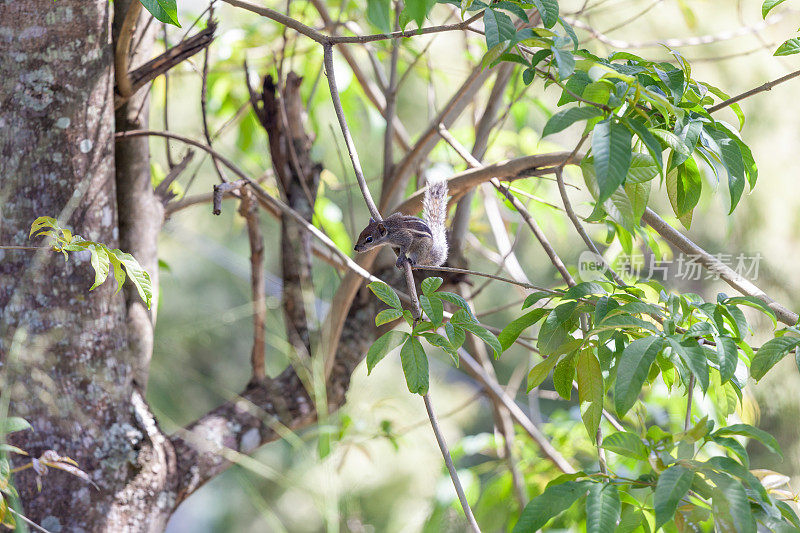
<point x="421" y="241"/>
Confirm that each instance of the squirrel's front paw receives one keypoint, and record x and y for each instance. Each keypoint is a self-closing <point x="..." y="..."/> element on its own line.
<point x="400" y="260"/>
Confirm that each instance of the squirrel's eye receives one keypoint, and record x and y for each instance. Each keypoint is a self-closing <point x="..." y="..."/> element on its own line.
<point x="369" y="239"/>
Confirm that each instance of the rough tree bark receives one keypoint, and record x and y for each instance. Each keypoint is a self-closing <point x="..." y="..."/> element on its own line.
<point x="67" y="367"/>
<point x="74" y="362"/>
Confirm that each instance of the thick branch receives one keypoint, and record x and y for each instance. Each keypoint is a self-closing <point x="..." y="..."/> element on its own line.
<point x="508" y="170"/>
<point x="161" y="64"/>
<point x="730" y="276"/>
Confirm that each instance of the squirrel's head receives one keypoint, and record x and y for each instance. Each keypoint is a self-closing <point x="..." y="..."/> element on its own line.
<point x="373" y="235"/>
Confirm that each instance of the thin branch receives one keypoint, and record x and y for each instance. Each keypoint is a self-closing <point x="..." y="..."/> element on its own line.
<point x="688" y="422"/>
<point x="416" y="311"/>
<point x="526" y="216"/>
<point x="373" y="93"/>
<point x="348" y="139"/>
<point x="491" y="276"/>
<point x="203" y="98"/>
<point x="495" y="390"/>
<point x="391" y="104"/>
<point x="162" y="189"/>
<point x="328" y="40"/>
<point x="462" y="497"/>
<point x="280" y="18"/>
<point x="257" y="284"/>
<point x="273" y="205"/>
<point x="562" y="189"/>
<point x="760" y="89"/>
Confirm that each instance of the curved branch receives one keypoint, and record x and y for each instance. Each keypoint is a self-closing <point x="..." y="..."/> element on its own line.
<point x="507" y="170"/>
<point x="348" y="139"/>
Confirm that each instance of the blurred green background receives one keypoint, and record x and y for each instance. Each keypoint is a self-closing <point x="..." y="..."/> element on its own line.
<point x="384" y="472"/>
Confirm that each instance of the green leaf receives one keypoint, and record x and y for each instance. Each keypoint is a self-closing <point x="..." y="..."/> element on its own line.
<point x="382" y="346"/>
<point x="648" y="139"/>
<point x="672" y="486"/>
<point x="415" y="366"/>
<point x="767" y="6"/>
<point x="731" y="507"/>
<point x="590" y="389"/>
<point x="138" y="275"/>
<point x="385" y="293"/>
<point x="583" y="289"/>
<point x="535" y="297"/>
<point x="684" y="187"/>
<point x="100" y="262"/>
<point x="440" y="342"/>
<point x="548" y="10"/>
<point x="632" y="370"/>
<point x="557" y="327"/>
<point x="602" y="508"/>
<point x="417" y="10"/>
<point x="553" y="501"/>
<point x="564" y="61"/>
<point x="674" y="81"/>
<point x="388" y="315"/>
<point x="755" y="303"/>
<point x="165" y="11"/>
<point x="379" y="13"/>
<point x="746" y="430"/>
<point x="733" y="161"/>
<point x="515" y="328"/>
<point x="625" y="443"/>
<point x="727" y="356"/>
<point x="770" y="353"/>
<point x="539" y="372"/>
<point x="511" y="8"/>
<point x="455" y="335"/>
<point x="454" y="299"/>
<point x="433" y="307"/>
<point x="672" y="141"/>
<point x="788" y="48"/>
<point x="484" y="335"/>
<point x="430" y="285"/>
<point x="43" y="222"/>
<point x="695" y="358"/>
<point x="611" y="147"/>
<point x="12" y="424"/>
<point x="498" y="28"/>
<point x="564" y="375"/>
<point x="564" y="119"/>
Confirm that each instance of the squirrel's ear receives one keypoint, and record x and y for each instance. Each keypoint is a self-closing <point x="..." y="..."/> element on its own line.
<point x="371" y="220"/>
<point x="382" y="229"/>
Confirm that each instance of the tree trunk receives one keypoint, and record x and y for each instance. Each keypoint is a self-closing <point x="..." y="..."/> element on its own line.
<point x="67" y="366"/>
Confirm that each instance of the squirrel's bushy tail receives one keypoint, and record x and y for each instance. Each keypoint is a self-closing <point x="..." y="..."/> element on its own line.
<point x="434" y="212"/>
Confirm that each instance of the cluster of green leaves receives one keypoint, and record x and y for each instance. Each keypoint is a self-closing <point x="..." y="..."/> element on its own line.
<point x="412" y="354"/>
<point x="627" y="344"/>
<point x="9" y="425"/>
<point x="684" y="486"/>
<point x="624" y="100"/>
<point x="790" y="46"/>
<point x="101" y="256"/>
